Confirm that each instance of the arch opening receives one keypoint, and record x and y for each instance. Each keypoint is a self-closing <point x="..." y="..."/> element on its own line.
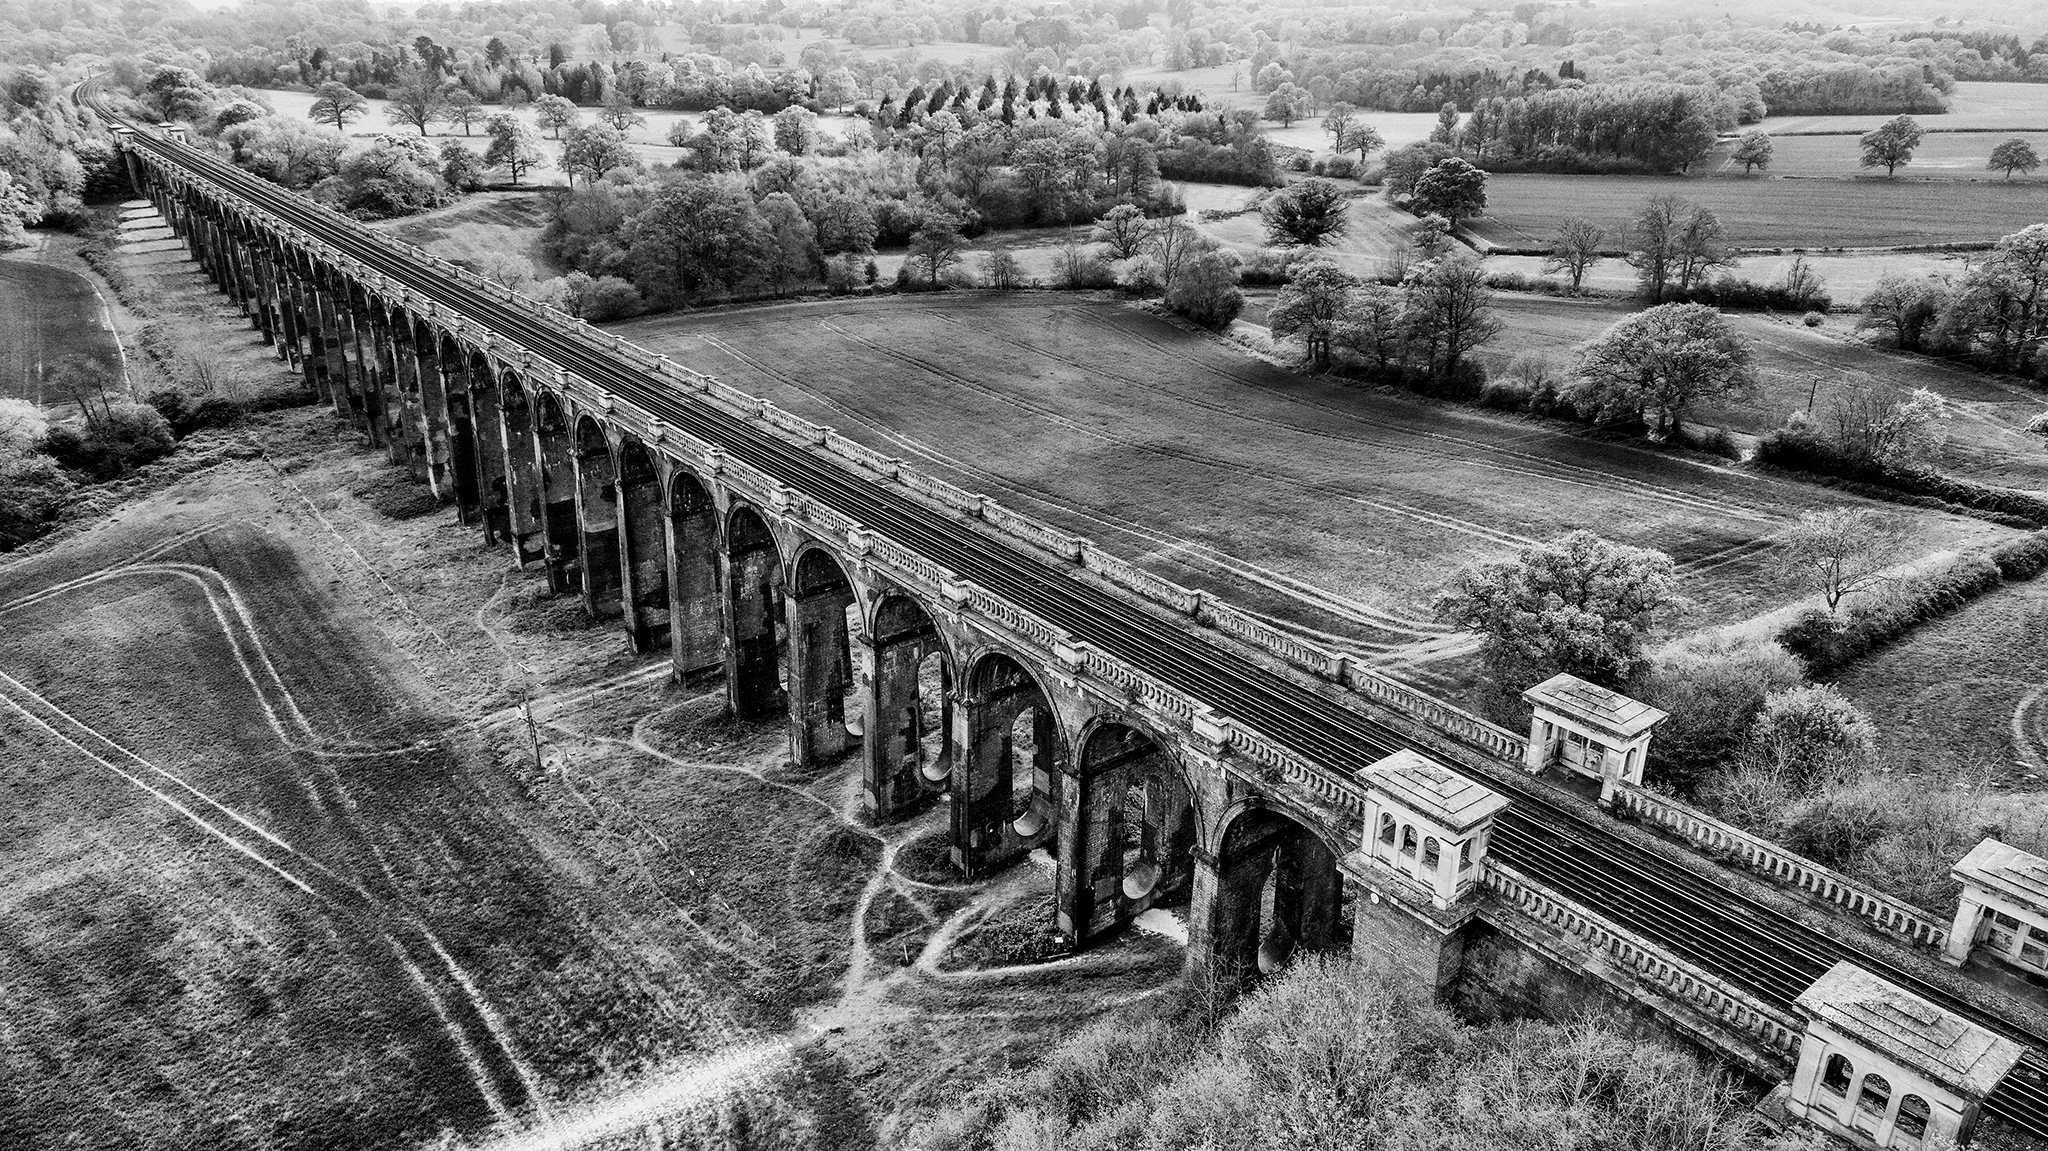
<point x="1279" y="895"/>
<point x="597" y="519"/>
<point x="493" y="485"/>
<point x="645" y="543"/>
<point x="822" y="612"/>
<point x="453" y="365"/>
<point x="522" y="469"/>
<point x="1134" y="848"/>
<point x="696" y="610"/>
<point x="1006" y="788"/>
<point x="555" y="447"/>
<point x="760" y="636"/>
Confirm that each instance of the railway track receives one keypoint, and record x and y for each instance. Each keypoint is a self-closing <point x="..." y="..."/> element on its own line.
<point x="1750" y="943"/>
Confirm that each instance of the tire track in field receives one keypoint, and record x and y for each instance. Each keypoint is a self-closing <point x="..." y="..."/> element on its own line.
<point x="1299" y="590"/>
<point x="339" y="894"/>
<point x="1560" y="471"/>
<point x="1188" y="455"/>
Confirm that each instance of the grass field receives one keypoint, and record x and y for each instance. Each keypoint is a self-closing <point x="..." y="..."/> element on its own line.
<point x="1523" y="210"/>
<point x="1794" y="361"/>
<point x="1978" y="105"/>
<point x="1942" y="155"/>
<point x="478" y="227"/>
<point x="1971" y="684"/>
<point x="47" y="314"/>
<point x="1333" y="509"/>
<point x="1849" y="276"/>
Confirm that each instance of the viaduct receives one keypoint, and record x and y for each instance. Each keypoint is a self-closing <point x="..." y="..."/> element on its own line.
<point x="1161" y="746"/>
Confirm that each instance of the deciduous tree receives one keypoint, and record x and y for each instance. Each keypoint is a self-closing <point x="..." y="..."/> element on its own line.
<point x="1575" y="249"/>
<point x="593" y="150"/>
<point x="1311" y="306"/>
<point x="1580" y="604"/>
<point x="618" y="111"/>
<point x="1308" y="213"/>
<point x="2014" y="155"/>
<point x="936" y="246"/>
<point x="1453" y="189"/>
<point x="1450" y="313"/>
<point x="1205" y="289"/>
<point x="1124" y="229"/>
<point x="556" y="114"/>
<point x="514" y="146"/>
<point x="1753" y="151"/>
<point x="416" y="99"/>
<point x="1891" y="146"/>
<point x="1657" y="362"/>
<point x="1287" y="103"/>
<point x="463" y="108"/>
<point x="1839" y="552"/>
<point x="337" y="104"/>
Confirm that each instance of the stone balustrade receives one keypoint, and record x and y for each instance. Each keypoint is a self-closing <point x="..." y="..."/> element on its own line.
<point x="1705" y="831"/>
<point x="1775" y="1032"/>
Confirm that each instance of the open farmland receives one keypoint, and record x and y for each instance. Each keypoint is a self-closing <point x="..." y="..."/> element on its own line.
<point x="1523" y="210"/>
<point x="1794" y="362"/>
<point x="1849" y="276"/>
<point x="1976" y="106"/>
<point x="47" y="314"/>
<point x="1942" y="155"/>
<point x="1336" y="510"/>
<point x="1970" y="685"/>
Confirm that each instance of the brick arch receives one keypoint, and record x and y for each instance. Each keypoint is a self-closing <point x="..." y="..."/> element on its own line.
<point x="554" y="423"/>
<point x="1132" y="847"/>
<point x="1006" y="777"/>
<point x="1278" y="890"/>
<point x="643" y="540"/>
<point x="754" y="606"/>
<point x="597" y="518"/>
<point x="525" y="513"/>
<point x="912" y="676"/>
<point x="696" y="543"/>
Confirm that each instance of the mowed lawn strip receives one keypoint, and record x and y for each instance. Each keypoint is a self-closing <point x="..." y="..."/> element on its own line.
<point x="1523" y="211"/>
<point x="46" y="314"/>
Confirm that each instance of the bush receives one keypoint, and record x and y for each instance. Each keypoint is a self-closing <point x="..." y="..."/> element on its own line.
<point x="1340" y="167"/>
<point x="1714" y="691"/>
<point x="1734" y="293"/>
<point x="1812" y="735"/>
<point x="1813" y="319"/>
<point x="1826" y="642"/>
<point x="1078" y="269"/>
<point x="1206" y="290"/>
<point x="1802" y="448"/>
<point x="1266" y="268"/>
<point x="186" y="417"/>
<point x="126" y="437"/>
<point x="2022" y="559"/>
<point x="33" y="489"/>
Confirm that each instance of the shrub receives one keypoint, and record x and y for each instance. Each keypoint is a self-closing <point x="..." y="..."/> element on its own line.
<point x="122" y="439"/>
<point x="1802" y="448"/>
<point x="1340" y="167"/>
<point x="1139" y="276"/>
<point x="1825" y="642"/>
<point x="1813" y="319"/>
<point x="1734" y="293"/>
<point x="33" y="489"/>
<point x="1076" y="268"/>
<point x="2022" y="559"/>
<point x="1266" y="267"/>
<point x="1715" y="691"/>
<point x="1811" y="734"/>
<point x="1835" y="826"/>
<point x="185" y="417"/>
<point x="1206" y="290"/>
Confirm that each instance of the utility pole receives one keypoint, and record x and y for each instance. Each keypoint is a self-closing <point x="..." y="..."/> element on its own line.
<point x="1811" y="392"/>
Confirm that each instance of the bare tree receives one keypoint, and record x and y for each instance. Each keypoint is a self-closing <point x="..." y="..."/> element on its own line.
<point x="1840" y="552"/>
<point x="1575" y="249"/>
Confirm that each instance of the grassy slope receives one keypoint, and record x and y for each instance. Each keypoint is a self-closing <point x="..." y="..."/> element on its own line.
<point x="46" y="314"/>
